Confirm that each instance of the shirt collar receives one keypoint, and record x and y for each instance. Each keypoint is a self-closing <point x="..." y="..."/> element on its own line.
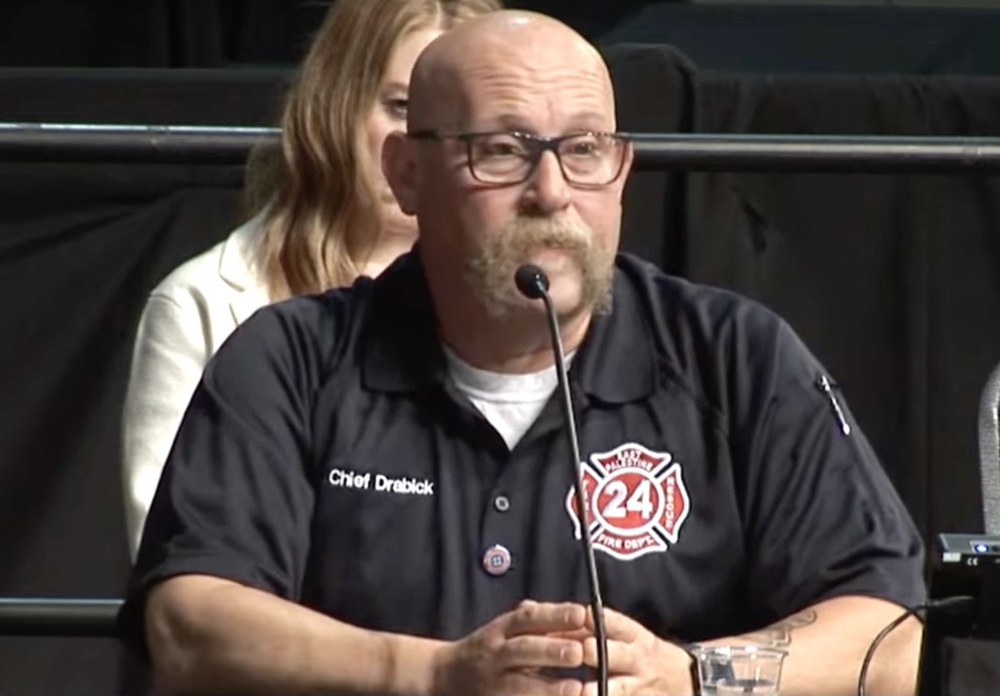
<point x="401" y="352"/>
<point x="400" y="348"/>
<point x="616" y="361"/>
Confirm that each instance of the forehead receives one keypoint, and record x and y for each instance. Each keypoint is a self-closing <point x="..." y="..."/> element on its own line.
<point x="537" y="88"/>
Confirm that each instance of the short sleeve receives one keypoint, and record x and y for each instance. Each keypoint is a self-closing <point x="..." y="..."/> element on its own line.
<point x="236" y="499"/>
<point x="822" y="517"/>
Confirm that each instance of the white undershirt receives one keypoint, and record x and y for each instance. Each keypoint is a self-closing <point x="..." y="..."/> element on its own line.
<point x="510" y="402"/>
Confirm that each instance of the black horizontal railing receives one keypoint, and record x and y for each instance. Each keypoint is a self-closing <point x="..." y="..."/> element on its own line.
<point x="77" y="142"/>
<point x="52" y="142"/>
<point x="37" y="616"/>
<point x="817" y="153"/>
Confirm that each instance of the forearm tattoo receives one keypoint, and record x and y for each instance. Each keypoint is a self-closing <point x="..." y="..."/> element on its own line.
<point x="779" y="635"/>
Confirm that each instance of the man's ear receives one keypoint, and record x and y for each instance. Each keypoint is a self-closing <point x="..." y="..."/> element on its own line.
<point x="399" y="165"/>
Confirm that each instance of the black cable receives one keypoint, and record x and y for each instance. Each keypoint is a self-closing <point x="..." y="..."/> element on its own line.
<point x="944" y="603"/>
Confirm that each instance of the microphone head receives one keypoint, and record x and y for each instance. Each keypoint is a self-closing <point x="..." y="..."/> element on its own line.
<point x="531" y="281"/>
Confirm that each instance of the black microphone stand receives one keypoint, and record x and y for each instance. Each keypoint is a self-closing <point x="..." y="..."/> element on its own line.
<point x="534" y="284"/>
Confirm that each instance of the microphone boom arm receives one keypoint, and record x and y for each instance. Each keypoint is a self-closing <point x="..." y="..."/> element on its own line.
<point x="533" y="283"/>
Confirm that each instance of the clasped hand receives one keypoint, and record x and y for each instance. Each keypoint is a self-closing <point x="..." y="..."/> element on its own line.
<point x="517" y="652"/>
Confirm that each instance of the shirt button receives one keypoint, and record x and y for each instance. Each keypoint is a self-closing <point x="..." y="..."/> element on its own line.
<point x="501" y="503"/>
<point x="496" y="560"/>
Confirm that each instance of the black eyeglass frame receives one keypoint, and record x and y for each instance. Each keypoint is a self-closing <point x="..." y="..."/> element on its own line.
<point x="537" y="146"/>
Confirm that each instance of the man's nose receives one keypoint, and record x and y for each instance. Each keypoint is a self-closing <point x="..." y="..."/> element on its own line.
<point x="547" y="190"/>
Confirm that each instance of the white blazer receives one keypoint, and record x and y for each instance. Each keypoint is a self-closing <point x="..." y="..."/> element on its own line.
<point x="186" y="318"/>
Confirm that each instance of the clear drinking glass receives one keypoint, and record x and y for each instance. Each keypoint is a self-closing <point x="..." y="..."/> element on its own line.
<point x="739" y="669"/>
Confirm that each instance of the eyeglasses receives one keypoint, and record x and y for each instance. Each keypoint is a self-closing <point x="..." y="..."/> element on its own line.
<point x="587" y="160"/>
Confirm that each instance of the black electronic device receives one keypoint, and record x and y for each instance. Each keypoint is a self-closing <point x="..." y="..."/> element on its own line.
<point x="960" y="654"/>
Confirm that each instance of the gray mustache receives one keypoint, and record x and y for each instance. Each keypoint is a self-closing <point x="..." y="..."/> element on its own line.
<point x="549" y="236"/>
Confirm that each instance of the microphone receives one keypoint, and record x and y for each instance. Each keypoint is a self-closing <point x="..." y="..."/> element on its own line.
<point x="534" y="284"/>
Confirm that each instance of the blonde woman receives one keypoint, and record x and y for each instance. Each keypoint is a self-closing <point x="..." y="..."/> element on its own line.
<point x="322" y="215"/>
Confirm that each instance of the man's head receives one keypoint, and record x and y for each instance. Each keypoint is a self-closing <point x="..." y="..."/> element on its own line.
<point x="487" y="203"/>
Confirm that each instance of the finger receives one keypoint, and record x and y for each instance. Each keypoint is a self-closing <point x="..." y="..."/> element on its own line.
<point x="539" y="651"/>
<point x="618" y="626"/>
<point x="519" y="684"/>
<point x="616" y="687"/>
<point x="623" y="658"/>
<point x="579" y="634"/>
<point x="538" y="618"/>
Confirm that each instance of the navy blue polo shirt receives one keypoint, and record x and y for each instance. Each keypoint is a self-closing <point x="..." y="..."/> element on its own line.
<point x="327" y="458"/>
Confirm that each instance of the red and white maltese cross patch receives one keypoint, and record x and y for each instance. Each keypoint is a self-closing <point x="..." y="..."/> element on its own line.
<point x="635" y="498"/>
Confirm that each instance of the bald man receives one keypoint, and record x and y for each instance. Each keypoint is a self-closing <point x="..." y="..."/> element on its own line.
<point x="370" y="492"/>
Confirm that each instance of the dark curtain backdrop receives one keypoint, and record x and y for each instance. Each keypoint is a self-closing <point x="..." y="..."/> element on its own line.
<point x="893" y="280"/>
<point x="749" y="38"/>
<point x="206" y="33"/>
<point x="153" y="33"/>
<point x="80" y="247"/>
<point x="821" y="37"/>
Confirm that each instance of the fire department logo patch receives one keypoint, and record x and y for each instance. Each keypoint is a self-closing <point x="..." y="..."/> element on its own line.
<point x="636" y="501"/>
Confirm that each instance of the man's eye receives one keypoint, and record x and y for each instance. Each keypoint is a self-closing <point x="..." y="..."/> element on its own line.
<point x="499" y="150"/>
<point x="583" y="148"/>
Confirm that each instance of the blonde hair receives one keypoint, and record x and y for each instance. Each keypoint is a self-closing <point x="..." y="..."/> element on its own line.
<point x="318" y="197"/>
